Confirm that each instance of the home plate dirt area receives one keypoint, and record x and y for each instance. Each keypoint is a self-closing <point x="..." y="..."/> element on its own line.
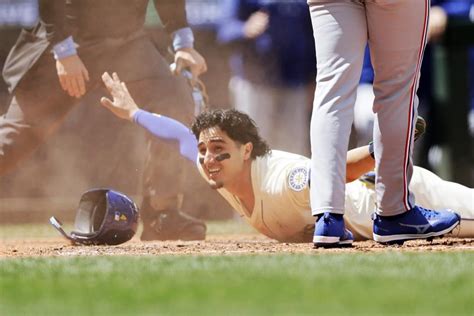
<point x="213" y="245"/>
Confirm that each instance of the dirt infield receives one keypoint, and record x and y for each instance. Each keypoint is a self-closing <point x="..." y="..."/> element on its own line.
<point x="214" y="245"/>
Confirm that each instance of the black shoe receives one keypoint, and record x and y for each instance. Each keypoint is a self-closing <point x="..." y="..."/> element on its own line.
<point x="172" y="225"/>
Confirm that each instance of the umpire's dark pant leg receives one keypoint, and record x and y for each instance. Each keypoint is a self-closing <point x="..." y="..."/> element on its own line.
<point x="34" y="113"/>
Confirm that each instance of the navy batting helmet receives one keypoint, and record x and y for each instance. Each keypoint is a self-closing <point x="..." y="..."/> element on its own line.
<point x="104" y="217"/>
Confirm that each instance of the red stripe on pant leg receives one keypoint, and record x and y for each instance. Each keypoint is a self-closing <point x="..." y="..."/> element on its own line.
<point x="411" y="112"/>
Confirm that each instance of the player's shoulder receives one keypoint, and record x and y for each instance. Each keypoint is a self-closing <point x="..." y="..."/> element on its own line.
<point x="284" y="155"/>
<point x="283" y="162"/>
<point x="295" y="170"/>
<point x="283" y="170"/>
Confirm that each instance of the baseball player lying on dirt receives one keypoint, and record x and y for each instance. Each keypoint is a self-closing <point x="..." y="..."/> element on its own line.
<point x="270" y="188"/>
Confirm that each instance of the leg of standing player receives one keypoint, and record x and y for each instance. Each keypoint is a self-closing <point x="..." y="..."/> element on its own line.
<point x="340" y="34"/>
<point x="37" y="108"/>
<point x="397" y="37"/>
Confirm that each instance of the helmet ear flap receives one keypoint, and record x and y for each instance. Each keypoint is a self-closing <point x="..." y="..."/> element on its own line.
<point x="104" y="217"/>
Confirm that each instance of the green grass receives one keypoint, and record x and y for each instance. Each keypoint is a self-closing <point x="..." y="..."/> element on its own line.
<point x="390" y="283"/>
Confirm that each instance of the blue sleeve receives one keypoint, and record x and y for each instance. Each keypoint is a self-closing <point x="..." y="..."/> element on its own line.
<point x="183" y="38"/>
<point x="168" y="129"/>
<point x="65" y="48"/>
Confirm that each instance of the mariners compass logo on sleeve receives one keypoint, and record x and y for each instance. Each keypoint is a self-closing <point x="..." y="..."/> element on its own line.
<point x="298" y="178"/>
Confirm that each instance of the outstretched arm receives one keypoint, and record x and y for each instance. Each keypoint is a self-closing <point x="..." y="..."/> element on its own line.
<point x="163" y="127"/>
<point x="359" y="162"/>
<point x="168" y="129"/>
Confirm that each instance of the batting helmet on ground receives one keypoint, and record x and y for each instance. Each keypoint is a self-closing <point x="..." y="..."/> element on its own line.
<point x="104" y="217"/>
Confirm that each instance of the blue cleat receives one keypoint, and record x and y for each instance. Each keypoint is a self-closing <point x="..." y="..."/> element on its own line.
<point x="417" y="223"/>
<point x="331" y="232"/>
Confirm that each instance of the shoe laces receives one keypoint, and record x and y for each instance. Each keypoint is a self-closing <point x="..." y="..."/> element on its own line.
<point x="328" y="217"/>
<point x="428" y="213"/>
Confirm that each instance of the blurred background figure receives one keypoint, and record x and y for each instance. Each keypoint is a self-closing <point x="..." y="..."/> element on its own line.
<point x="273" y="67"/>
<point x="450" y="146"/>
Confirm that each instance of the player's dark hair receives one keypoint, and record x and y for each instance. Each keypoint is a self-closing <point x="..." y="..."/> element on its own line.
<point x="237" y="125"/>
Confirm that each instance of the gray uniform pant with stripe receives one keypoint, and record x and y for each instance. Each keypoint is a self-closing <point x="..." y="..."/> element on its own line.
<point x="396" y="33"/>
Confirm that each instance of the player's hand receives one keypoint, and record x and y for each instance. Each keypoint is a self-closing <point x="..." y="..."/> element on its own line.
<point x="72" y="75"/>
<point x="256" y="24"/>
<point x="123" y="104"/>
<point x="189" y="58"/>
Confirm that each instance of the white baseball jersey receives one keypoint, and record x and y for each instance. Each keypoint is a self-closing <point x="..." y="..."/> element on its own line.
<point x="282" y="208"/>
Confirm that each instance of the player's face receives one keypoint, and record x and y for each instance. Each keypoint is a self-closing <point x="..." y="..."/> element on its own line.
<point x="221" y="157"/>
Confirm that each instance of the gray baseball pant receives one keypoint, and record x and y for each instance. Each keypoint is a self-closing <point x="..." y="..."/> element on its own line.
<point x="396" y="33"/>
